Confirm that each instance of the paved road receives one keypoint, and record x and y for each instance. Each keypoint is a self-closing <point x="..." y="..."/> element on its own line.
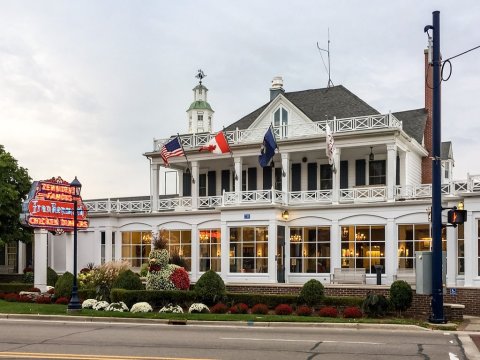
<point x="23" y="339"/>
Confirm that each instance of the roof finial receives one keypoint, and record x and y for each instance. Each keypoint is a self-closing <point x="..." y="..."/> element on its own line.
<point x="200" y="75"/>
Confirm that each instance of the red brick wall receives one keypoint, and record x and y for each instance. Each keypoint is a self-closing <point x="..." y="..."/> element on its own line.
<point x="421" y="303"/>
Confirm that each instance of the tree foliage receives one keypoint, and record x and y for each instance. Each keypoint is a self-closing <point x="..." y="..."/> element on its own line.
<point x="14" y="186"/>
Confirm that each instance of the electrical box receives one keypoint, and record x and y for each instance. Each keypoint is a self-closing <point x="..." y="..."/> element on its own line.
<point x="423" y="271"/>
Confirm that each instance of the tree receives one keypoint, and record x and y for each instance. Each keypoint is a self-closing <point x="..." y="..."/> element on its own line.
<point x="14" y="187"/>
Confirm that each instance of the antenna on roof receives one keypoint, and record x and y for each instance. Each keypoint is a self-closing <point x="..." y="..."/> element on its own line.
<point x="330" y="82"/>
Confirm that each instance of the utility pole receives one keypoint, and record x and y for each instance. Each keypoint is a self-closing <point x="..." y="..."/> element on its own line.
<point x="437" y="315"/>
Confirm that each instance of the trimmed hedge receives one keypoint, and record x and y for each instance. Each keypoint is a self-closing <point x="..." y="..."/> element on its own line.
<point x="156" y="298"/>
<point x="272" y="301"/>
<point x="14" y="287"/>
<point x="342" y="301"/>
<point x="85" y="294"/>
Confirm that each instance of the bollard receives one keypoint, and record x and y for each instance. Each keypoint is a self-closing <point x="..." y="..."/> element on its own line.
<point x="378" y="269"/>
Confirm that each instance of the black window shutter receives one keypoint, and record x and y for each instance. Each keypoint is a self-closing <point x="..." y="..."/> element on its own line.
<point x="244" y="180"/>
<point x="278" y="178"/>
<point x="187" y="185"/>
<point x="202" y="185"/>
<point x="225" y="180"/>
<point x="344" y="174"/>
<point x="212" y="183"/>
<point x="397" y="174"/>
<point x="360" y="172"/>
<point x="252" y="178"/>
<point x="312" y="176"/>
<point x="296" y="177"/>
<point x="267" y="178"/>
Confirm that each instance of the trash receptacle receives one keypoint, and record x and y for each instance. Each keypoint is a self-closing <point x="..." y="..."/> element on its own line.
<point x="378" y="270"/>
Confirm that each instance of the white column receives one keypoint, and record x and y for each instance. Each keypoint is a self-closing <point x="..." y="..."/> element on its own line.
<point x="451" y="256"/>
<point x="40" y="263"/>
<point x="285" y="176"/>
<point x="336" y="247"/>
<point x="21" y="257"/>
<point x="97" y="243"/>
<point x="195" y="251"/>
<point x="391" y="250"/>
<point x="238" y="179"/>
<point x="470" y="243"/>
<point x="69" y="252"/>
<point x="288" y="256"/>
<point x="154" y="186"/>
<point x="118" y="245"/>
<point x="108" y="244"/>
<point x="195" y="186"/>
<point x="225" y="248"/>
<point x="391" y="170"/>
<point x="272" y="250"/>
<point x="336" y="177"/>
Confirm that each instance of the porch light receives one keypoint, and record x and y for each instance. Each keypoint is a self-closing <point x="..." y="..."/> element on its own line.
<point x="460" y="205"/>
<point x="285" y="215"/>
<point x="371" y="157"/>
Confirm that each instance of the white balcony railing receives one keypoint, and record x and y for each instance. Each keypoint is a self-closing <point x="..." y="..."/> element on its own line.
<point x="293" y="199"/>
<point x="244" y="136"/>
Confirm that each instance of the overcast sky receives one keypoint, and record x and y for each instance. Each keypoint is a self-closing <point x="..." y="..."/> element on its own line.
<point x="85" y="86"/>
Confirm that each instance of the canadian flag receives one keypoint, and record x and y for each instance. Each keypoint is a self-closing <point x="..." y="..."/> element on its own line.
<point x="217" y="145"/>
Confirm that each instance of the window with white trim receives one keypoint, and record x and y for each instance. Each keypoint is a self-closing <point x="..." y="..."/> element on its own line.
<point x="248" y="249"/>
<point x="210" y="249"/>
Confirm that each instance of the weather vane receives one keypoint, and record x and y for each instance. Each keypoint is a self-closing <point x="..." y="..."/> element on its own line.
<point x="200" y="75"/>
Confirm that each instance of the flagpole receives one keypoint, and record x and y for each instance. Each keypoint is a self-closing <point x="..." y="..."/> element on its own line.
<point x="231" y="154"/>
<point x="186" y="158"/>
<point x="276" y="142"/>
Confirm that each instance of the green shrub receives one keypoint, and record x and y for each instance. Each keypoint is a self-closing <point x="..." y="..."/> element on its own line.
<point x="210" y="288"/>
<point x="272" y="301"/>
<point x="64" y="284"/>
<point x="14" y="287"/>
<point x="85" y="294"/>
<point x="401" y="295"/>
<point x="144" y="270"/>
<point x="156" y="298"/>
<point x="52" y="276"/>
<point x="311" y="293"/>
<point x="375" y="305"/>
<point x="128" y="280"/>
<point x="28" y="277"/>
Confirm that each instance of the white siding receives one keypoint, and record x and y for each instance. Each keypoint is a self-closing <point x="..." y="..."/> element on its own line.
<point x="413" y="168"/>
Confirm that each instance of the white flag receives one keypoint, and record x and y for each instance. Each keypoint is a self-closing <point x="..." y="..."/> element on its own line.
<point x="331" y="150"/>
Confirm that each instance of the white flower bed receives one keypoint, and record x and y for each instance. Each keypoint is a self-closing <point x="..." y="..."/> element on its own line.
<point x="118" y="306"/>
<point x="100" y="305"/>
<point x="198" y="308"/>
<point x="176" y="309"/>
<point x="141" y="307"/>
<point x="89" y="304"/>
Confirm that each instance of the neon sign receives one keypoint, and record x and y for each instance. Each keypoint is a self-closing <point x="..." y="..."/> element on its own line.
<point x="50" y="206"/>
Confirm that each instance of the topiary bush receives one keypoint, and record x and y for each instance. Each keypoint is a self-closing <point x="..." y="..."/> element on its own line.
<point x="304" y="310"/>
<point x="52" y="277"/>
<point x="128" y="280"/>
<point x="283" y="309"/>
<point x="401" y="295"/>
<point x="375" y="305"/>
<point x="210" y="288"/>
<point x="328" y="311"/>
<point x="312" y="292"/>
<point x="64" y="284"/>
<point x="260" y="309"/>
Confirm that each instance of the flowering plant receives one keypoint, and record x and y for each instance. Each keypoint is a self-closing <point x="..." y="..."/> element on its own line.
<point x="141" y="307"/>
<point x="198" y="308"/>
<point x="117" y="306"/>
<point x="100" y="305"/>
<point x="352" y="312"/>
<point x="89" y="304"/>
<point x="25" y="298"/>
<point x="43" y="300"/>
<point x="11" y="297"/>
<point x="180" y="279"/>
<point x="160" y="280"/>
<point x="239" y="308"/>
<point x="328" y="311"/>
<point x="283" y="309"/>
<point x="105" y="275"/>
<point x="176" y="309"/>
<point x="304" y="310"/>
<point x="159" y="257"/>
<point x="85" y="279"/>
<point x="219" y="308"/>
<point x="260" y="309"/>
<point x="62" y="300"/>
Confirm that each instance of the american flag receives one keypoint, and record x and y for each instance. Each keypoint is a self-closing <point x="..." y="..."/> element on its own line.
<point x="171" y="149"/>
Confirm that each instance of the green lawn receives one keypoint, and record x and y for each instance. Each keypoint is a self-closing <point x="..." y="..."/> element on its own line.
<point x="46" y="309"/>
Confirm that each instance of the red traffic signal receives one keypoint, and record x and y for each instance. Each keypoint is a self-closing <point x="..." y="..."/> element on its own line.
<point x="456" y="216"/>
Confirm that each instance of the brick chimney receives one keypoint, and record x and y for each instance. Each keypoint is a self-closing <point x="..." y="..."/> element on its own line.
<point x="427" y="134"/>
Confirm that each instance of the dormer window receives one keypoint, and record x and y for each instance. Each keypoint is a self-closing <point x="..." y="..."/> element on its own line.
<point x="280" y="120"/>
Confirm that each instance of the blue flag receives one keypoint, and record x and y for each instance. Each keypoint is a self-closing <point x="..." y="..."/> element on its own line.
<point x="268" y="148"/>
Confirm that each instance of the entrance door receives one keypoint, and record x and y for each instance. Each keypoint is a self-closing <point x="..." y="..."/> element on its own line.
<point x="280" y="257"/>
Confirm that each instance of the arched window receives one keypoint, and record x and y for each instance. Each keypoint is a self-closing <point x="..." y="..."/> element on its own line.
<point x="280" y="120"/>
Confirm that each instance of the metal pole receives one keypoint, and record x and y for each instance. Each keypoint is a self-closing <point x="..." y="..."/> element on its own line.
<point x="74" y="303"/>
<point x="437" y="287"/>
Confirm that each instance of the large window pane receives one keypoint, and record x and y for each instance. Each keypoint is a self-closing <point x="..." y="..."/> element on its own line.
<point x="310" y="249"/>
<point x="248" y="249"/>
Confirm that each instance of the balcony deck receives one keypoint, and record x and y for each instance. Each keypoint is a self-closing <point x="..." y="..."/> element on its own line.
<point x="368" y="194"/>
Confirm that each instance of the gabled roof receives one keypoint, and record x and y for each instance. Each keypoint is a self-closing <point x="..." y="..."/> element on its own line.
<point x="413" y="122"/>
<point x="317" y="104"/>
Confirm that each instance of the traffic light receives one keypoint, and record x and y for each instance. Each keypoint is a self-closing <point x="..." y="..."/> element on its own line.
<point x="456" y="216"/>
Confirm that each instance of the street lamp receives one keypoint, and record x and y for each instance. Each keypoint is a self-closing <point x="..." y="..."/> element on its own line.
<point x="74" y="303"/>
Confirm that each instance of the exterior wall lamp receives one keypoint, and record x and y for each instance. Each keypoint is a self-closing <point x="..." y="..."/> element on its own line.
<point x="371" y="157"/>
<point x="285" y="214"/>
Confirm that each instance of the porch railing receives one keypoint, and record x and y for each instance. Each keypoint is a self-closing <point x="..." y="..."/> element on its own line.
<point x="293" y="198"/>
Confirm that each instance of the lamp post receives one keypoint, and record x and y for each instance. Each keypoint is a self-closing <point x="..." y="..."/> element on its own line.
<point x="74" y="303"/>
